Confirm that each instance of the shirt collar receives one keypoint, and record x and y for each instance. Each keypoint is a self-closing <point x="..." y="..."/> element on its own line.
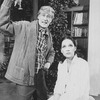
<point x="74" y="58"/>
<point x="44" y="29"/>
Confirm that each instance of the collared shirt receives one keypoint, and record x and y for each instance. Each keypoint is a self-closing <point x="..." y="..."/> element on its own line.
<point x="41" y="48"/>
<point x="75" y="83"/>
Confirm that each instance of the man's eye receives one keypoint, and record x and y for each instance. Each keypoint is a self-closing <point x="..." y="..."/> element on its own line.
<point x="43" y="15"/>
<point x="48" y="16"/>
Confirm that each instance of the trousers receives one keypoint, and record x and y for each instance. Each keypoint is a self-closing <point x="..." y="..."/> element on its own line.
<point x="25" y="92"/>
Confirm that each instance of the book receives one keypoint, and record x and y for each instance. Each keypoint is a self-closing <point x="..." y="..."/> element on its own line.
<point x="78" y="18"/>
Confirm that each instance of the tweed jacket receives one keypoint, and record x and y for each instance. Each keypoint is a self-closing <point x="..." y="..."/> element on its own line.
<point x="21" y="68"/>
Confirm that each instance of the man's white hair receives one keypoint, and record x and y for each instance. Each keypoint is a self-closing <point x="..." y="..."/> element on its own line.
<point x="47" y="9"/>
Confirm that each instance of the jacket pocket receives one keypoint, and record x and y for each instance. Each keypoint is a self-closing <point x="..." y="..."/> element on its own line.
<point x="19" y="73"/>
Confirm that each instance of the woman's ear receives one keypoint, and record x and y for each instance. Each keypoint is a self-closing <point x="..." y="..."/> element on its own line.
<point x="75" y="50"/>
<point x="61" y="51"/>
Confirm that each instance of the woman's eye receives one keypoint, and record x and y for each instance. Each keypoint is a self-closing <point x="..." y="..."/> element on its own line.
<point x="63" y="46"/>
<point x="70" y="45"/>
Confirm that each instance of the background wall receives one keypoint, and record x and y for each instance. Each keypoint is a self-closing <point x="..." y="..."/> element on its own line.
<point x="94" y="46"/>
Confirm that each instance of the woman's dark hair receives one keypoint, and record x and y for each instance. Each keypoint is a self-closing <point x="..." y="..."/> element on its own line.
<point x="70" y="38"/>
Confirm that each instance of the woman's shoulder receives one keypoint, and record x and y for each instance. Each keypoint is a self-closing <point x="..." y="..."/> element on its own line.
<point x="83" y="64"/>
<point x="61" y="64"/>
<point x="81" y="60"/>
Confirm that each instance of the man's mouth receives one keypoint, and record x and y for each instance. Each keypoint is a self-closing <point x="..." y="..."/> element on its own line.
<point x="68" y="53"/>
<point x="45" y="22"/>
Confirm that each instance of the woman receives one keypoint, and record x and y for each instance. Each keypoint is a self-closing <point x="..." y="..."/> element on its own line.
<point x="73" y="74"/>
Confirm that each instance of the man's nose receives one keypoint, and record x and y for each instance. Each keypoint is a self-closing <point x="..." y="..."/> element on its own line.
<point x="45" y="17"/>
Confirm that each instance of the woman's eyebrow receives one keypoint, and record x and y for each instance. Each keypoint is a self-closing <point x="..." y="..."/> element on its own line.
<point x="63" y="45"/>
<point x="70" y="45"/>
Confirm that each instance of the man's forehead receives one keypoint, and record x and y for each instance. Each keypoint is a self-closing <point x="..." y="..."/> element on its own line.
<point x="47" y="9"/>
<point x="47" y="13"/>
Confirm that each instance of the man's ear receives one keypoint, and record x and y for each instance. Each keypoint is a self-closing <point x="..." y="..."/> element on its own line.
<point x="38" y="17"/>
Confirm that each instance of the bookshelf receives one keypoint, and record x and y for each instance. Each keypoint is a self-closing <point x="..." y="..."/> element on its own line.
<point x="78" y="19"/>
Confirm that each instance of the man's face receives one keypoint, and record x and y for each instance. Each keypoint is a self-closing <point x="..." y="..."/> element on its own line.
<point x="45" y="19"/>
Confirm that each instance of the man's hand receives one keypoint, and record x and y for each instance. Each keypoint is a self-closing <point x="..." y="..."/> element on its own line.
<point x="47" y="66"/>
<point x="18" y="2"/>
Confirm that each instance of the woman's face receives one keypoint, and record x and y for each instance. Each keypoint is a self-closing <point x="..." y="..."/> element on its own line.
<point x="68" y="48"/>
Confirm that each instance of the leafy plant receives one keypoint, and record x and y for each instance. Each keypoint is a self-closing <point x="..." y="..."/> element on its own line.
<point x="59" y="25"/>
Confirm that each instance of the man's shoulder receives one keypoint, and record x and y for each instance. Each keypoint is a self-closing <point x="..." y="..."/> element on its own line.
<point x="27" y="24"/>
<point x="22" y="23"/>
<point x="34" y="22"/>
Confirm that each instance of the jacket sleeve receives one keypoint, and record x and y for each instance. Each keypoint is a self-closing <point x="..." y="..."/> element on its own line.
<point x="51" y="53"/>
<point x="5" y="23"/>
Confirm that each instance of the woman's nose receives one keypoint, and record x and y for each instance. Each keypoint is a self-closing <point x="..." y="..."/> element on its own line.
<point x="67" y="49"/>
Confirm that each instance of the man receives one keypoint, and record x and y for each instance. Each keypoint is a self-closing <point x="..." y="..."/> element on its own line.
<point x="33" y="48"/>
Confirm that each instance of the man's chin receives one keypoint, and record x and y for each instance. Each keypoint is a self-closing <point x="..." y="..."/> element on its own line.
<point x="44" y="26"/>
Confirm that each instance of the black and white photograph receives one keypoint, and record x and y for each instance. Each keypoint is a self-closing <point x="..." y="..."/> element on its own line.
<point x="49" y="50"/>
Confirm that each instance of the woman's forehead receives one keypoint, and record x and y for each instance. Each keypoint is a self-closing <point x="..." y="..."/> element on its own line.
<point x="67" y="41"/>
